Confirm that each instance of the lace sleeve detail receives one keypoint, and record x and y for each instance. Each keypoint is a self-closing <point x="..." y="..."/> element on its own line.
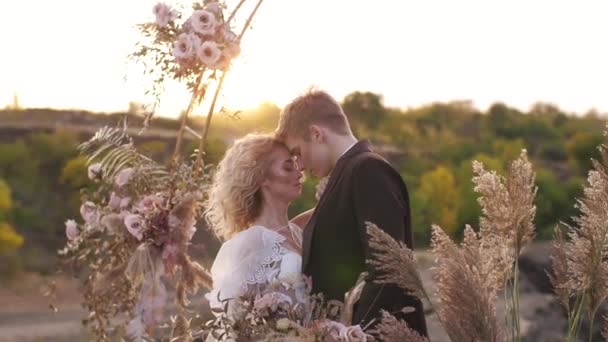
<point x="265" y="264"/>
<point x="246" y="262"/>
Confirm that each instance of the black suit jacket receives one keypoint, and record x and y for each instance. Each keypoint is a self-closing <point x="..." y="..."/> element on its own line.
<point x="362" y="187"/>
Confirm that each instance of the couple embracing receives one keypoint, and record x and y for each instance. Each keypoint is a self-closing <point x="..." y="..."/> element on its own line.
<point x="261" y="175"/>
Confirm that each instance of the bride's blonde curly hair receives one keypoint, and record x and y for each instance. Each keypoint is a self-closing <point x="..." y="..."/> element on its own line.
<point x="234" y="199"/>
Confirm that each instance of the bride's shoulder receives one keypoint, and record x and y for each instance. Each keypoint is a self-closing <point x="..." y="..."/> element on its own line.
<point x="252" y="238"/>
<point x="248" y="245"/>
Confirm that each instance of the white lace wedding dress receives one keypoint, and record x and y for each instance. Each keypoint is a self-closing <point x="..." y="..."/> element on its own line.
<point x="252" y="259"/>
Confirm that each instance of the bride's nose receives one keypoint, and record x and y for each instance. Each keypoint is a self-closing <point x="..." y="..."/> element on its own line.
<point x="299" y="165"/>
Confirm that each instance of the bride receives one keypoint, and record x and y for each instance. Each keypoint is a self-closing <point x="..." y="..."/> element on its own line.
<point x="252" y="189"/>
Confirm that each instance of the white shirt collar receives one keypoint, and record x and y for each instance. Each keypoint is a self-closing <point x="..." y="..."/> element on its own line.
<point x="351" y="146"/>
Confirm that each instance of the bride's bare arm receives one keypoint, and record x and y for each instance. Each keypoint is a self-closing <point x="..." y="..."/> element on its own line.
<point x="302" y="219"/>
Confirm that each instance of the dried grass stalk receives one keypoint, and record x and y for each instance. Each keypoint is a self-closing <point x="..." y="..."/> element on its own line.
<point x="395" y="261"/>
<point x="181" y="331"/>
<point x="467" y="287"/>
<point x="508" y="212"/>
<point x="586" y="252"/>
<point x="391" y="329"/>
<point x="559" y="265"/>
<point x="507" y="204"/>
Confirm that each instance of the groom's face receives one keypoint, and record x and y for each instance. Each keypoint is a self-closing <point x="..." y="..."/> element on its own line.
<point x="311" y="155"/>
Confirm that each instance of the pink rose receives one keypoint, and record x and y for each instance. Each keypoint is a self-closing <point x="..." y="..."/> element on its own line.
<point x="203" y="22"/>
<point x="135" y="225"/>
<point x="209" y="54"/>
<point x="353" y="333"/>
<point x="164" y="14"/>
<point x="71" y="229"/>
<point x="271" y="302"/>
<point x="329" y="328"/>
<point x="94" y="171"/>
<point x="186" y="46"/>
<point x="114" y="202"/>
<point x="214" y="8"/>
<point x="124" y="176"/>
<point x="148" y="204"/>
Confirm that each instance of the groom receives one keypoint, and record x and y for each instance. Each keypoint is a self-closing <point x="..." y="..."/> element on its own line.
<point x="362" y="187"/>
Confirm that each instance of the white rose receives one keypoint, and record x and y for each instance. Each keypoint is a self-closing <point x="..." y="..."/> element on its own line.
<point x="94" y="171"/>
<point x="353" y="333"/>
<point x="284" y="324"/>
<point x="124" y="176"/>
<point x="164" y="14"/>
<point x="135" y="225"/>
<point x="209" y="54"/>
<point x="71" y="229"/>
<point x="203" y="22"/>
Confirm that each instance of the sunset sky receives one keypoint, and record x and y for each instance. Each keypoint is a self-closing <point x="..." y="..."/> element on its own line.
<point x="72" y="53"/>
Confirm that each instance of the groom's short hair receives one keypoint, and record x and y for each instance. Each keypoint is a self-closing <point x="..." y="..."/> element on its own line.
<point x="315" y="107"/>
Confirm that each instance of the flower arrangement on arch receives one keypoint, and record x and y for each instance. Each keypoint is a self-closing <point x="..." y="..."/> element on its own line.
<point x="132" y="243"/>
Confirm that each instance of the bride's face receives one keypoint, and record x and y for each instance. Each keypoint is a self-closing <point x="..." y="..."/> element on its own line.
<point x="283" y="180"/>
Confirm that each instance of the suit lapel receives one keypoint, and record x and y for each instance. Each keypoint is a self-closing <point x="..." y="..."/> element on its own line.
<point x="361" y="146"/>
<point x="312" y="223"/>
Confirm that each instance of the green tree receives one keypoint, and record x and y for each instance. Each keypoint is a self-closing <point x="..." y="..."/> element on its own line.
<point x="74" y="176"/>
<point x="553" y="201"/>
<point x="364" y="110"/>
<point x="436" y="202"/>
<point x="582" y="147"/>
<point x="507" y="150"/>
<point x="307" y="199"/>
<point x="9" y="238"/>
<point x="155" y="149"/>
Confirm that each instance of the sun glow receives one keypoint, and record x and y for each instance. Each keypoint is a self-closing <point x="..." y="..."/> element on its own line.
<point x="410" y="52"/>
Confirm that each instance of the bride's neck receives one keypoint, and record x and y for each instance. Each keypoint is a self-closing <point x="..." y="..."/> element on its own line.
<point x="273" y="215"/>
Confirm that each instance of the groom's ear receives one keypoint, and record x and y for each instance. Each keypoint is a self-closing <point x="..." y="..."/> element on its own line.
<point x="316" y="133"/>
